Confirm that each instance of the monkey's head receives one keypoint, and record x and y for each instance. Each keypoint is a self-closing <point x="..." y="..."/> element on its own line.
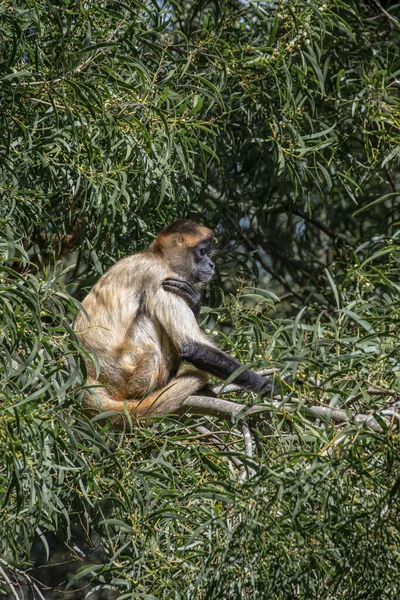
<point x="187" y="247"/>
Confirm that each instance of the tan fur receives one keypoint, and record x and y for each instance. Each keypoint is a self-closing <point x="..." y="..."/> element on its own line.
<point x="136" y="329"/>
<point x="167" y="400"/>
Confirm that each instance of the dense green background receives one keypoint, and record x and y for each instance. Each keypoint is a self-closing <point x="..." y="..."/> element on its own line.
<point x="278" y="125"/>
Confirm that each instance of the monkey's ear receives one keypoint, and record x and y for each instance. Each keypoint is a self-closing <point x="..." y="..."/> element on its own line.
<point x="177" y="240"/>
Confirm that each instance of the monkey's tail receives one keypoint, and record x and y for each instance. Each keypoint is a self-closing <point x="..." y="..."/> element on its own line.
<point x="167" y="400"/>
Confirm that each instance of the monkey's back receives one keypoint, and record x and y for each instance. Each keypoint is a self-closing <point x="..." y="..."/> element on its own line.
<point x="134" y="351"/>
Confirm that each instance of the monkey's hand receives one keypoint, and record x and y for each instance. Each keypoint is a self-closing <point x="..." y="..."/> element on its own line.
<point x="274" y="388"/>
<point x="269" y="389"/>
<point x="185" y="290"/>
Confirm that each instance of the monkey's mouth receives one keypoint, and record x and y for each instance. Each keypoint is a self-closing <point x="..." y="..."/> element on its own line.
<point x="205" y="275"/>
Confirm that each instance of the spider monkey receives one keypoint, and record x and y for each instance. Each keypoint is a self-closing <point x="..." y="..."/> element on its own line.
<point x="140" y="318"/>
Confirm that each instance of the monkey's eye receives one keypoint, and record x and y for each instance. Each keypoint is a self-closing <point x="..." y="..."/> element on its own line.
<point x="202" y="252"/>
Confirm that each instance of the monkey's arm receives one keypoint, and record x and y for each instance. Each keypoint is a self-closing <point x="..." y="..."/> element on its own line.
<point x="185" y="290"/>
<point x="219" y="364"/>
<point x="192" y="345"/>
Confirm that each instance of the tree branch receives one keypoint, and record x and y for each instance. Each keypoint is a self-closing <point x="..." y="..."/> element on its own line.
<point x="251" y="246"/>
<point x="204" y="405"/>
<point x="216" y="441"/>
<point x="320" y="225"/>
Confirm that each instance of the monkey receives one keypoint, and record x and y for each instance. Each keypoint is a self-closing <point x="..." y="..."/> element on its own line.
<point x="141" y="321"/>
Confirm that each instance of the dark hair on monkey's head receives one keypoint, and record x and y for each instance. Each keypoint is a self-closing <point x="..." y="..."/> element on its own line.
<point x="190" y="232"/>
<point x="182" y="226"/>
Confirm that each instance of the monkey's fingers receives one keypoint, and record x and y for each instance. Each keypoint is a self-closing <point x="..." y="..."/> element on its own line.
<point x="175" y="289"/>
<point x="192" y="297"/>
<point x="181" y="284"/>
<point x="178" y="292"/>
<point x="274" y="388"/>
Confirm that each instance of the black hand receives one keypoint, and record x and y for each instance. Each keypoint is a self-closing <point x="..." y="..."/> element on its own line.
<point x="185" y="290"/>
<point x="271" y="388"/>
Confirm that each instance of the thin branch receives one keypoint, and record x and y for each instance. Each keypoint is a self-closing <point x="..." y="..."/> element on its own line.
<point x="321" y="226"/>
<point x="204" y="405"/>
<point x="251" y="246"/>
<point x="371" y="392"/>
<point x="36" y="588"/>
<point x="377" y="7"/>
<point x="214" y="407"/>
<point x="216" y="441"/>
<point x="338" y="415"/>
<point x="266" y="266"/>
<point x="249" y="469"/>
<point x="248" y="442"/>
<point x="208" y="433"/>
<point x="9" y="583"/>
<point x="297" y="264"/>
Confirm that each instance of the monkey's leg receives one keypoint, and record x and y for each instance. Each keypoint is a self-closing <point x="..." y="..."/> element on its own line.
<point x="98" y="400"/>
<point x="167" y="400"/>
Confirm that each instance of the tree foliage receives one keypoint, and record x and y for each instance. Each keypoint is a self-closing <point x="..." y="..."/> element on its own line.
<point x="277" y="124"/>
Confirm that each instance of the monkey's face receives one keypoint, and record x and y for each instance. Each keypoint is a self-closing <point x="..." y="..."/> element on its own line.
<point x="187" y="259"/>
<point x="203" y="267"/>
